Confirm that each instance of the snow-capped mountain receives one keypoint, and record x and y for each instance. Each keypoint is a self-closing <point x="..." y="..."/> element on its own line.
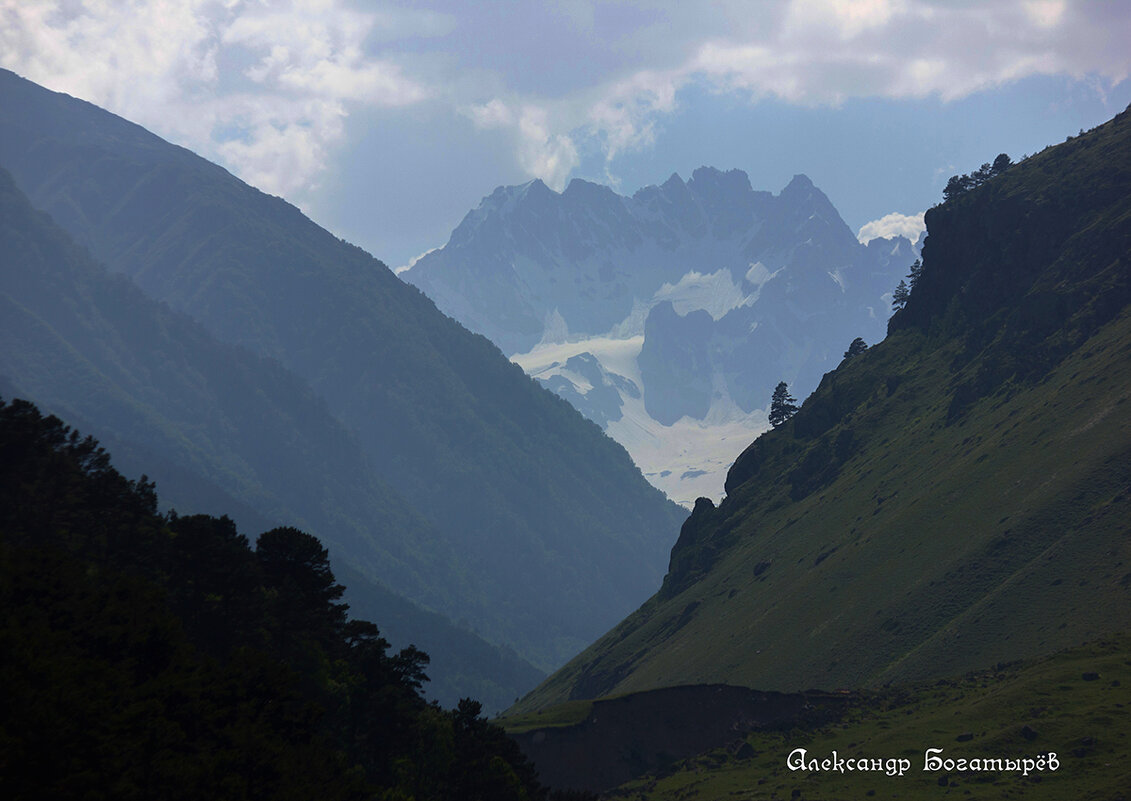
<point x="667" y="317"/>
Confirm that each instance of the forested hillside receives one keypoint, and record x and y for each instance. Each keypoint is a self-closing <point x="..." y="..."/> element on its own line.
<point x="146" y="655"/>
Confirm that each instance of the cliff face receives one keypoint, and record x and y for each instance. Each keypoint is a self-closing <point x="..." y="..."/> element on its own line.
<point x="954" y="496"/>
<point x="622" y="738"/>
<point x="1030" y="264"/>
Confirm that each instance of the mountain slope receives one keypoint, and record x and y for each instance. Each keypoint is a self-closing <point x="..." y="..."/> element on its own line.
<point x="84" y="341"/>
<point x="551" y="521"/>
<point x="227" y="432"/>
<point x="956" y="496"/>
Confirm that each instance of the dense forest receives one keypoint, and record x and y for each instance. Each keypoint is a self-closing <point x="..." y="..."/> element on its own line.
<point x="147" y="655"/>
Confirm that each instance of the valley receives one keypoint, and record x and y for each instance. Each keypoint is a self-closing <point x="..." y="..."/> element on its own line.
<point x="687" y="302"/>
<point x="1071" y="704"/>
<point x="687" y="459"/>
<point x="690" y="491"/>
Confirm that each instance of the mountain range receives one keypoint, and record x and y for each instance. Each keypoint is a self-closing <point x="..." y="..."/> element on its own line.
<point x="669" y="316"/>
<point x="266" y="361"/>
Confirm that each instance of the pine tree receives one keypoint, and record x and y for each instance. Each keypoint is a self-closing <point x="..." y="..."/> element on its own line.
<point x="914" y="275"/>
<point x="782" y="405"/>
<point x="900" y="296"/>
<point x="857" y="347"/>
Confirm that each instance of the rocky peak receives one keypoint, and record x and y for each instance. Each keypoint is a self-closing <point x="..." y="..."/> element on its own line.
<point x="580" y="189"/>
<point x="712" y="181"/>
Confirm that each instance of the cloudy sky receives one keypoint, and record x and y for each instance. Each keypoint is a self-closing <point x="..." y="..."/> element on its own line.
<point x="387" y="121"/>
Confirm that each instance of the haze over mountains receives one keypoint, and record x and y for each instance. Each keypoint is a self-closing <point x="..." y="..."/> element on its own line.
<point x="338" y="396"/>
<point x="667" y="317"/>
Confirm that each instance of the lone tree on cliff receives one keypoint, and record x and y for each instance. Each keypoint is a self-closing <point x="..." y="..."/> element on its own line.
<point x="900" y="296"/>
<point x="782" y="405"/>
<point x="857" y="347"/>
<point x="914" y="275"/>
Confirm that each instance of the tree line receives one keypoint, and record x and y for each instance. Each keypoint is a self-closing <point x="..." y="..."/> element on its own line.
<point x="959" y="185"/>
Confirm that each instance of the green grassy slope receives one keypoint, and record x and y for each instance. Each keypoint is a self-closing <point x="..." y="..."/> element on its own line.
<point x="1074" y="704"/>
<point x="956" y="496"/>
<point x="555" y="525"/>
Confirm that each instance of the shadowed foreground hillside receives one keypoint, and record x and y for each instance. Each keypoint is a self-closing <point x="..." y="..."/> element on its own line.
<point x="161" y="656"/>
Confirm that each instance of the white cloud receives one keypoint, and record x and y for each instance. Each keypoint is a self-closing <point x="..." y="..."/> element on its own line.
<point x="624" y="115"/>
<point x="151" y="41"/>
<point x="268" y="87"/>
<point x="894" y="224"/>
<point x="412" y="262"/>
<point x="1045" y="13"/>
<point x="315" y="49"/>
<point x="278" y="147"/>
<point x="540" y="151"/>
<point x="825" y="51"/>
<point x="493" y="114"/>
<point x="844" y="19"/>
<point x="809" y="52"/>
<point x="543" y="153"/>
<point x="829" y="50"/>
<point x="157" y="62"/>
